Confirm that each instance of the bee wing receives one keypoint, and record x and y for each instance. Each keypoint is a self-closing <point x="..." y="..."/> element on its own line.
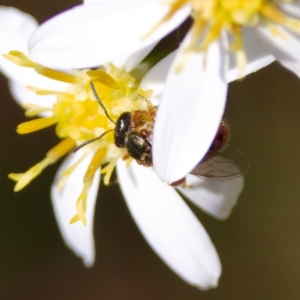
<point x="223" y="166"/>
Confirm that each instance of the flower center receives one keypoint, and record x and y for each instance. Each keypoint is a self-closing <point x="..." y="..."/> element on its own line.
<point x="242" y="12"/>
<point x="211" y="16"/>
<point x="79" y="118"/>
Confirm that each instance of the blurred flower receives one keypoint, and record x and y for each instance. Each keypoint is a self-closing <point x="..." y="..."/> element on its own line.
<point x="65" y="98"/>
<point x="251" y="26"/>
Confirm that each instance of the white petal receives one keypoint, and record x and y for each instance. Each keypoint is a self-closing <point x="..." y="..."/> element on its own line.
<point x="155" y="79"/>
<point x="24" y="96"/>
<point x="16" y="28"/>
<point x="190" y="112"/>
<point x="215" y="197"/>
<point x="292" y="8"/>
<point x="104" y="2"/>
<point x="169" y="226"/>
<point x="94" y="34"/>
<point x="95" y="1"/>
<point x="79" y="238"/>
<point x="285" y="47"/>
<point x="131" y="61"/>
<point x="258" y="56"/>
<point x="292" y="66"/>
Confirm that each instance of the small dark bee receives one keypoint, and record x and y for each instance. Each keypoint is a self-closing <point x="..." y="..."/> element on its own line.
<point x="134" y="131"/>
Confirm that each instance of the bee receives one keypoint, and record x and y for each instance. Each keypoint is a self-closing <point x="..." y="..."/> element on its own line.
<point x="134" y="131"/>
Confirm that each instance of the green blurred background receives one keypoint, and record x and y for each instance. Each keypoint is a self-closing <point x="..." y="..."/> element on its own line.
<point x="259" y="244"/>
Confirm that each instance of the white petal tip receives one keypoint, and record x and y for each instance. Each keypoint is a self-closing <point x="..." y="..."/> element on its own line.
<point x="212" y="284"/>
<point x="88" y="261"/>
<point x="170" y="227"/>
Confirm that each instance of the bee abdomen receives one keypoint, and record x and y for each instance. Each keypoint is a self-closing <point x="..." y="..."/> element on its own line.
<point x="139" y="149"/>
<point x="122" y="127"/>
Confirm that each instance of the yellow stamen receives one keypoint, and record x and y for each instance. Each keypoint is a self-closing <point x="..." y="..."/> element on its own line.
<point x="81" y="206"/>
<point x="237" y="47"/>
<point x="15" y="177"/>
<point x="20" y="59"/>
<point x="176" y="5"/>
<point x="67" y="172"/>
<point x="108" y="170"/>
<point x="60" y="150"/>
<point x="196" y="31"/>
<point x="94" y="165"/>
<point x="42" y="92"/>
<point x="145" y="94"/>
<point x="270" y="12"/>
<point x="28" y="176"/>
<point x="56" y="75"/>
<point x="51" y="157"/>
<point x="213" y="34"/>
<point x="88" y="180"/>
<point x="33" y="110"/>
<point x="275" y="31"/>
<point x="129" y="161"/>
<point x="35" y="125"/>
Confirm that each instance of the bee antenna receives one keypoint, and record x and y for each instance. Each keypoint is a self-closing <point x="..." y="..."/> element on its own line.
<point x="90" y="141"/>
<point x="100" y="102"/>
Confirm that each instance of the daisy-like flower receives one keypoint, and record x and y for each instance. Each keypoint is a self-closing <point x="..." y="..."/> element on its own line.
<point x="228" y="39"/>
<point x="65" y="99"/>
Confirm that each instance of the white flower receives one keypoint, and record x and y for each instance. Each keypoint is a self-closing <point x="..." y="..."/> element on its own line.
<point x="164" y="219"/>
<point x="194" y="97"/>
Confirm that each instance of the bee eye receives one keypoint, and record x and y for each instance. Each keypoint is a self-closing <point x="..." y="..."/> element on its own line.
<point x="122" y="127"/>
